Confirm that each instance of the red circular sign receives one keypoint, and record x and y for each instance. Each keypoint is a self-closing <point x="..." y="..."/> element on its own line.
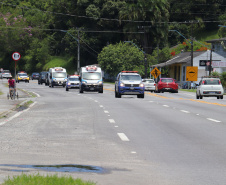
<point x="16" y="56"/>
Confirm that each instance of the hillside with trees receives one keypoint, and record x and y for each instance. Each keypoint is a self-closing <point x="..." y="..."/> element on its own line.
<point x="45" y="30"/>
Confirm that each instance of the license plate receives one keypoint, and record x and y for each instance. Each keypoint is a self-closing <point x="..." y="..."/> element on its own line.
<point x="211" y="92"/>
<point x="91" y="88"/>
<point x="132" y="88"/>
<point x="167" y="88"/>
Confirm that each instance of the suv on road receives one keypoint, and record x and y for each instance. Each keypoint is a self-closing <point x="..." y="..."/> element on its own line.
<point x="129" y="83"/>
<point x="42" y="77"/>
<point x="210" y="87"/>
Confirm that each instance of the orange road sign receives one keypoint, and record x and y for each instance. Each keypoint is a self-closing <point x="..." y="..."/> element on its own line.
<point x="155" y="72"/>
<point x="191" y="73"/>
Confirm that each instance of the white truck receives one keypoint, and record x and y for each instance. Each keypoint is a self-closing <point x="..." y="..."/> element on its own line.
<point x="91" y="79"/>
<point x="57" y="77"/>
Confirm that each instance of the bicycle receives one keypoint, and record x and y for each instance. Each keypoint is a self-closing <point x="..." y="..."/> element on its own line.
<point x="12" y="93"/>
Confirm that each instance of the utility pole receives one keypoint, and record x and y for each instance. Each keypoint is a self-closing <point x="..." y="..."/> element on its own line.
<point x="78" y="62"/>
<point x="211" y="56"/>
<point x="192" y="44"/>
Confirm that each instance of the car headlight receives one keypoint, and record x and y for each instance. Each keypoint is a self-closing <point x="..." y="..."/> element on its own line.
<point x="100" y="82"/>
<point x="141" y="85"/>
<point x="122" y="84"/>
<point x="84" y="82"/>
<point x="69" y="83"/>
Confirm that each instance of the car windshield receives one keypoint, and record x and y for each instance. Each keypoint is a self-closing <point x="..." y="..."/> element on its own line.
<point x="23" y="74"/>
<point x="59" y="75"/>
<point x="35" y="73"/>
<point x="73" y="79"/>
<point x="211" y="82"/>
<point x="167" y="80"/>
<point x="91" y="76"/>
<point x="148" y="81"/>
<point x="131" y="77"/>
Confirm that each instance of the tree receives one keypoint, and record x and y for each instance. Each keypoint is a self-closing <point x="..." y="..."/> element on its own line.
<point x="119" y="57"/>
<point x="149" y="16"/>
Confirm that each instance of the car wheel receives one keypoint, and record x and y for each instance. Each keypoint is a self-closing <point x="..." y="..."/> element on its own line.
<point x="116" y="96"/>
<point x="119" y="95"/>
<point x="218" y="97"/>
<point x="222" y="97"/>
<point x="197" y="97"/>
<point x="141" y="96"/>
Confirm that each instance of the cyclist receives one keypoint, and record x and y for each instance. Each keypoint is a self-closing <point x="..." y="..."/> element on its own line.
<point x="11" y="83"/>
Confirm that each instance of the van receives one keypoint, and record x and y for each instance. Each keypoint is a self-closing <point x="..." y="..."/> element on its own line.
<point x="57" y="77"/>
<point x="91" y="79"/>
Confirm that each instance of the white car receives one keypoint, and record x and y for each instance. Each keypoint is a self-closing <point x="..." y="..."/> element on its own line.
<point x="6" y="74"/>
<point x="210" y="87"/>
<point x="149" y="84"/>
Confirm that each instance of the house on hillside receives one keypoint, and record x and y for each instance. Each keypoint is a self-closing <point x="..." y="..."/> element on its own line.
<point x="177" y="65"/>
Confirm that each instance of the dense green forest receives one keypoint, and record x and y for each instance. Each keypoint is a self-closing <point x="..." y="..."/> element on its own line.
<point x="46" y="30"/>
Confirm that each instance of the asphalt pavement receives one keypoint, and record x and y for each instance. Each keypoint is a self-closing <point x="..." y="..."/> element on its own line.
<point x="8" y="106"/>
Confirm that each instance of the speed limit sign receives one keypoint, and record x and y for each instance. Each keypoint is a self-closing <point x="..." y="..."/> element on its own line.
<point x="16" y="56"/>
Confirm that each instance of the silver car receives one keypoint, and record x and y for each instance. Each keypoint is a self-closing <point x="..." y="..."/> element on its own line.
<point x="149" y="84"/>
<point x="6" y="74"/>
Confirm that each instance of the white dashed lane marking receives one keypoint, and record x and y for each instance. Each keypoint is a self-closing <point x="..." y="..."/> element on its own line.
<point x="123" y="137"/>
<point x="214" y="120"/>
<point x="185" y="111"/>
<point x="111" y="120"/>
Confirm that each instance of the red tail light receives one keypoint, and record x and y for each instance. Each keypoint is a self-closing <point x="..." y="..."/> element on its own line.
<point x="219" y="82"/>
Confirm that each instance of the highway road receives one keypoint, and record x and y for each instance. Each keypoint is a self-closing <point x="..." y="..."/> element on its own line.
<point x="165" y="138"/>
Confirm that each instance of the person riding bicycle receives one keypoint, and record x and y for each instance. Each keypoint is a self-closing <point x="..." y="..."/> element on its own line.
<point x="11" y="83"/>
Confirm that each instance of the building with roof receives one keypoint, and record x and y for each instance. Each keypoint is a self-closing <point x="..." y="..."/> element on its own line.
<point x="177" y="65"/>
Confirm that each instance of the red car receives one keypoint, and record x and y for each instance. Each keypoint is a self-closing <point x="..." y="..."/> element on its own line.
<point x="167" y="85"/>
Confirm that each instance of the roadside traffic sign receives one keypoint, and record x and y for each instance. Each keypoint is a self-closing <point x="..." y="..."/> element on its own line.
<point x="155" y="72"/>
<point x="191" y="73"/>
<point x="16" y="56"/>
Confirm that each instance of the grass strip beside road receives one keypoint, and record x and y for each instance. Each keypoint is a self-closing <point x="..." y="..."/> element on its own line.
<point x="47" y="180"/>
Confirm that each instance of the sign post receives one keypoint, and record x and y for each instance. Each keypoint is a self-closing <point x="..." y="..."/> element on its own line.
<point x="15" y="57"/>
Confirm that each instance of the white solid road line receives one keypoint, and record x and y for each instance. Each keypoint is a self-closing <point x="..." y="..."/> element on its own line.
<point x="17" y="114"/>
<point x="165" y="105"/>
<point x="36" y="94"/>
<point x="214" y="120"/>
<point x="123" y="137"/>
